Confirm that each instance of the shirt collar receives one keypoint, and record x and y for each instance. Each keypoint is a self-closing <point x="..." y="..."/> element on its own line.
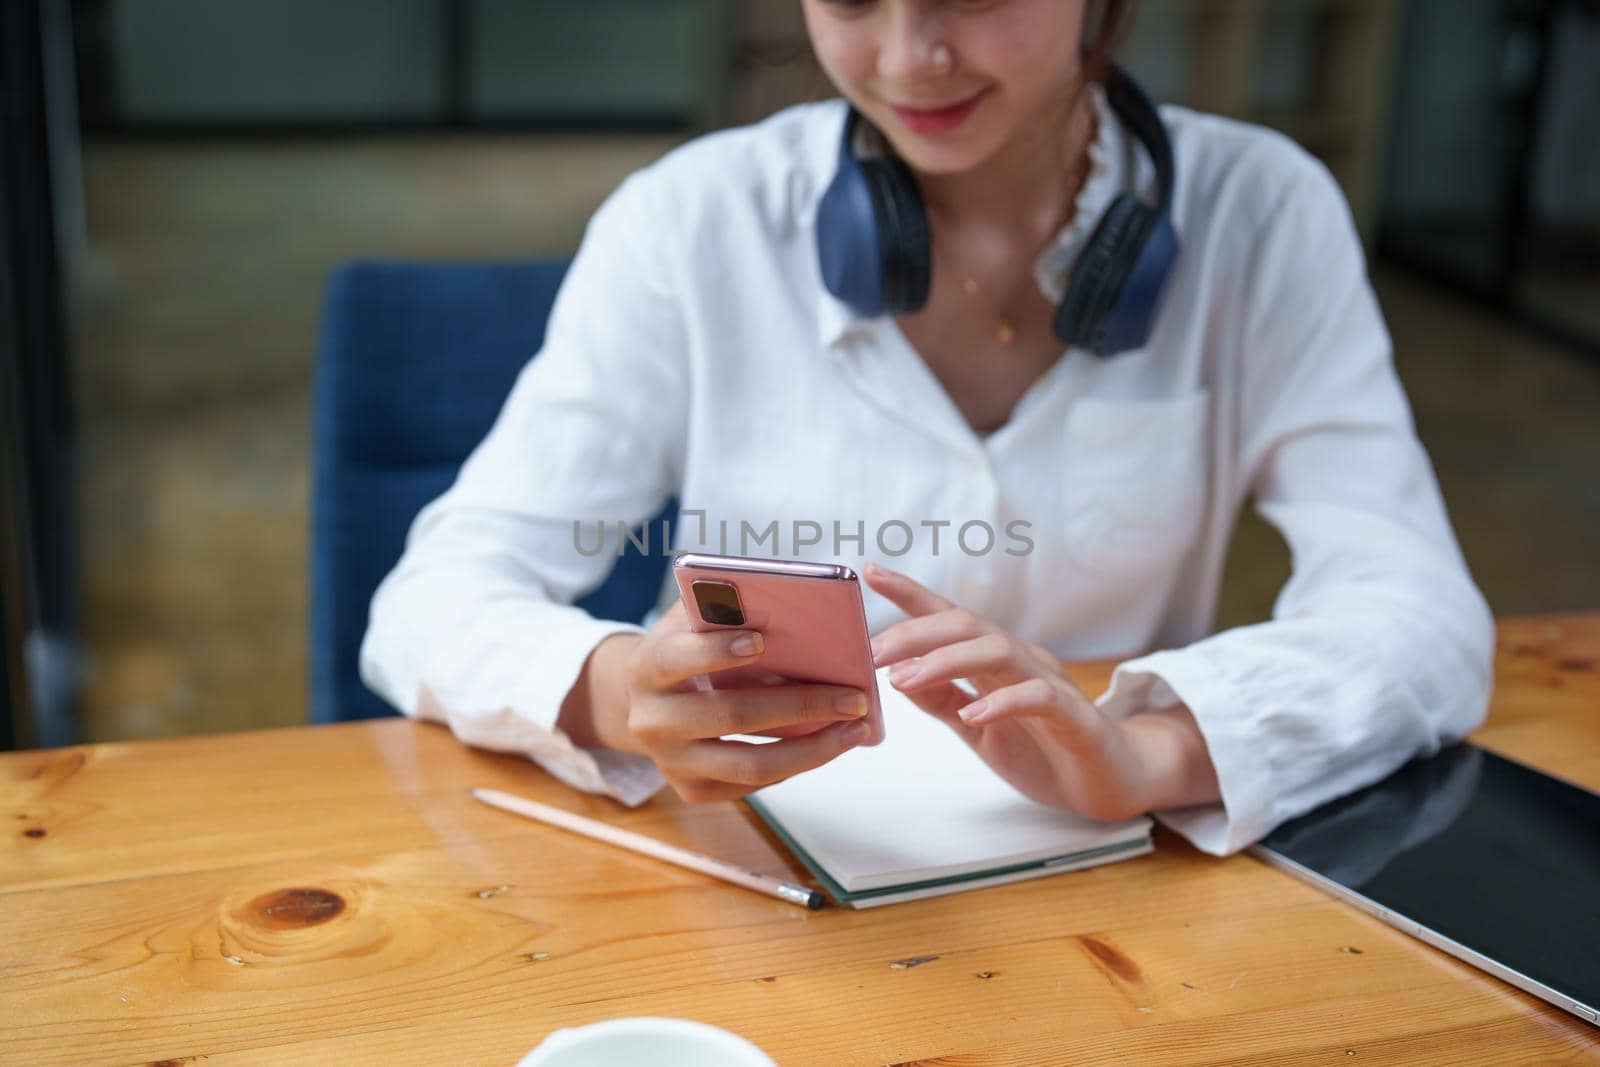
<point x="1113" y="167"/>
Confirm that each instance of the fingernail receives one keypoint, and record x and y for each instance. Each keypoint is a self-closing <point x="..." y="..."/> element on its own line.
<point x="905" y="671"/>
<point x="851" y="705"/>
<point x="974" y="710"/>
<point x="855" y="733"/>
<point x="746" y="644"/>
<point x="876" y="644"/>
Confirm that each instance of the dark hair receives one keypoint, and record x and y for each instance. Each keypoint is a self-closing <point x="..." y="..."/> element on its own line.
<point x="1105" y="27"/>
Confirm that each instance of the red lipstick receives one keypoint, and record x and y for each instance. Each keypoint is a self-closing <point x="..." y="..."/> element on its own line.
<point x="937" y="119"/>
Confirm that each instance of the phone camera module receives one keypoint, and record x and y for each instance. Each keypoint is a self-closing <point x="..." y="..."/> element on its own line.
<point x="718" y="603"/>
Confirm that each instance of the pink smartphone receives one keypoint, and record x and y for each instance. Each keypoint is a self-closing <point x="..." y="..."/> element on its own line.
<point x="809" y="615"/>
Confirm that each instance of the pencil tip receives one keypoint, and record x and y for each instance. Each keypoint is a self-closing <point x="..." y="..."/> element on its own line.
<point x="816" y="901"/>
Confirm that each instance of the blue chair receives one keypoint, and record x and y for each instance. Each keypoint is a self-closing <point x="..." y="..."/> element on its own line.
<point x="415" y="361"/>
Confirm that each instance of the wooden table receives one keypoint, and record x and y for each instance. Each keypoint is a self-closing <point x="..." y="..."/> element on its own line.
<point x="332" y="895"/>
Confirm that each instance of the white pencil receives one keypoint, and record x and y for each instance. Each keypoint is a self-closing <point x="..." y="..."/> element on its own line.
<point x="649" y="846"/>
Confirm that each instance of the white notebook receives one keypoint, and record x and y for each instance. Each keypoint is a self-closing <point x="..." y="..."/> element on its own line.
<point x="922" y="815"/>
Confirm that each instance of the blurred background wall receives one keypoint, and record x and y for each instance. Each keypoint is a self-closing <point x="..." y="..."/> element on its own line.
<point x="210" y="163"/>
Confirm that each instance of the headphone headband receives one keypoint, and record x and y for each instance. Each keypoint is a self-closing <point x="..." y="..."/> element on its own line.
<point x="1134" y="107"/>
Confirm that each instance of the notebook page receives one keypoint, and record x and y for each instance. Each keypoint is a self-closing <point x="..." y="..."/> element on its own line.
<point x="923" y="805"/>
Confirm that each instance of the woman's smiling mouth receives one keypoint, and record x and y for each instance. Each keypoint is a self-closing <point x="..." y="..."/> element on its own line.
<point x="937" y="120"/>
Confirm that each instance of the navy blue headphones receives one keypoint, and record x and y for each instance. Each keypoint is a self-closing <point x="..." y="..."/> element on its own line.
<point x="872" y="237"/>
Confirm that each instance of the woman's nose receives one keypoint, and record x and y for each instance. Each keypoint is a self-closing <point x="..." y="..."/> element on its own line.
<point x="914" y="48"/>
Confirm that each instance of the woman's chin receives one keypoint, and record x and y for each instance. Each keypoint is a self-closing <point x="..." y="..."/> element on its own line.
<point x="938" y="155"/>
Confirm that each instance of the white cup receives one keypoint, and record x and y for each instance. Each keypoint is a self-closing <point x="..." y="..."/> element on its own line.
<point x="646" y="1041"/>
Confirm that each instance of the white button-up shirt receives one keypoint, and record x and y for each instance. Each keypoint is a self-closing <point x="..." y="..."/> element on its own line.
<point x="693" y="351"/>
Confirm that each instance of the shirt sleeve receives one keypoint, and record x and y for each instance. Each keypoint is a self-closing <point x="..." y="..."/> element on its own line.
<point x="1380" y="646"/>
<point x="475" y="626"/>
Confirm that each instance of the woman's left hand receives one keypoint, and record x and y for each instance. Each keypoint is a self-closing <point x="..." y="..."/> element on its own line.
<point x="1029" y="721"/>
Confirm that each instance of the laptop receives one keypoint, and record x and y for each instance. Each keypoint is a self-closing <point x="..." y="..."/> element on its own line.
<point x="1493" y="862"/>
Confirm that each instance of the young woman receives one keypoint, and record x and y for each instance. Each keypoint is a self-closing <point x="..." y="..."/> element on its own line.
<point x="696" y="349"/>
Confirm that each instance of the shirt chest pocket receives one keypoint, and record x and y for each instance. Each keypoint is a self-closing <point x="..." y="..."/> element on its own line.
<point x="1135" y="477"/>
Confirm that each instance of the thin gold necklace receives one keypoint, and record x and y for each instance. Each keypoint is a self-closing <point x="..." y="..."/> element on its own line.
<point x="1005" y="328"/>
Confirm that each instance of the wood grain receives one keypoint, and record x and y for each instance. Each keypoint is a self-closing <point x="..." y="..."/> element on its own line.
<point x="333" y="895"/>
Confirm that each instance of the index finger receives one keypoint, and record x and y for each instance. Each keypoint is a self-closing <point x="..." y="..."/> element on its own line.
<point x="674" y="657"/>
<point x="904" y="592"/>
<point x="673" y="619"/>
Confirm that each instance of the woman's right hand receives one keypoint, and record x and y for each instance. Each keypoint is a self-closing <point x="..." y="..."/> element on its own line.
<point x="681" y="728"/>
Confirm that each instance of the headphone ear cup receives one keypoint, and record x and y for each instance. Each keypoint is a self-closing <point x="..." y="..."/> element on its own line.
<point x="849" y="239"/>
<point x="904" y="246"/>
<point x="1100" y="272"/>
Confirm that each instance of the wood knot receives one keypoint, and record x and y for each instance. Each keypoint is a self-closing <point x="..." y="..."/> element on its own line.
<point x="289" y="909"/>
<point x="33" y="831"/>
